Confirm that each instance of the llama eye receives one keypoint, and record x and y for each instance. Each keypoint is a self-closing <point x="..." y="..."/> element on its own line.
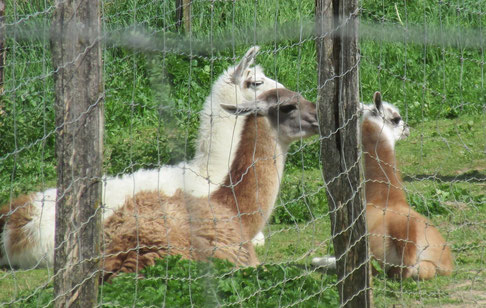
<point x="287" y="108"/>
<point x="396" y="120"/>
<point x="255" y="84"/>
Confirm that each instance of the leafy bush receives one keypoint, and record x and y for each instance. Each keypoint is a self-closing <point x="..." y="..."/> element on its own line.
<point x="302" y="198"/>
<point x="174" y="282"/>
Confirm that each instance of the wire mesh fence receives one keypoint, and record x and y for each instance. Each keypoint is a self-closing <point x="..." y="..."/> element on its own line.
<point x="166" y="134"/>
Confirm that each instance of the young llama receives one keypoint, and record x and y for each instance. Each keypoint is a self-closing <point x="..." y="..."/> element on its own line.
<point x="403" y="241"/>
<point x="27" y="223"/>
<point x="152" y="225"/>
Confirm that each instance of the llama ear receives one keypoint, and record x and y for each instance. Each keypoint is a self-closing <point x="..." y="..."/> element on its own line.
<point x="377" y="100"/>
<point x="244" y="64"/>
<point x="259" y="107"/>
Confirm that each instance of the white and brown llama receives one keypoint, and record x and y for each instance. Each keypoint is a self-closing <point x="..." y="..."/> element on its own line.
<point x="27" y="223"/>
<point x="403" y="241"/>
<point x="152" y="225"/>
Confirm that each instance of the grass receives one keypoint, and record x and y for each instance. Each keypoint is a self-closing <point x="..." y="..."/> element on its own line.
<point x="16" y="283"/>
<point x="461" y="221"/>
<point x="152" y="101"/>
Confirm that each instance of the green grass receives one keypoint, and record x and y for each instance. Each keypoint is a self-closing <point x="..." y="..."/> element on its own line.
<point x="306" y="232"/>
<point x="152" y="101"/>
<point x="16" y="283"/>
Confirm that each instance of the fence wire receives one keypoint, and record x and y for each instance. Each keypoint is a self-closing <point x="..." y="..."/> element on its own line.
<point x="426" y="58"/>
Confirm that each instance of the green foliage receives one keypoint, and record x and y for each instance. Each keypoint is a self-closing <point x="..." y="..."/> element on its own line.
<point x="388" y="291"/>
<point x="302" y="198"/>
<point x="174" y="282"/>
<point x="439" y="200"/>
<point x="180" y="283"/>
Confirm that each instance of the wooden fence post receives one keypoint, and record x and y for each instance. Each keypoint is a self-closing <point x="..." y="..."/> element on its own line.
<point x="2" y="46"/>
<point x="76" y="53"/>
<point x="338" y="100"/>
<point x="183" y="14"/>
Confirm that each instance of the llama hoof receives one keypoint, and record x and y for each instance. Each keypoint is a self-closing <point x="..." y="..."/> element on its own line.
<point x="259" y="239"/>
<point x="327" y="262"/>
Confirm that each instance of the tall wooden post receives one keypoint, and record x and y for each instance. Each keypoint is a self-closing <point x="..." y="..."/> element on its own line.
<point x="76" y="53"/>
<point x="2" y="45"/>
<point x="187" y="15"/>
<point x="183" y="14"/>
<point x="338" y="100"/>
<point x="179" y="13"/>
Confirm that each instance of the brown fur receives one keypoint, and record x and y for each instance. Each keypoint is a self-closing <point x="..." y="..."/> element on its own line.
<point x="383" y="181"/>
<point x="15" y="216"/>
<point x="252" y="186"/>
<point x="152" y="225"/>
<point x="401" y="239"/>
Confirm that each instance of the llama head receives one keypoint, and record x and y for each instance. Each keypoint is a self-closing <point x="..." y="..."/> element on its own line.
<point x="216" y="143"/>
<point x="251" y="80"/>
<point x="292" y="116"/>
<point x="387" y="118"/>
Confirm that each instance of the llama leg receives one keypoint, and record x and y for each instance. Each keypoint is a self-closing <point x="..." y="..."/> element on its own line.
<point x="426" y="270"/>
<point x="112" y="265"/>
<point x="239" y="255"/>
<point x="403" y="234"/>
<point x="134" y="261"/>
<point x="252" y="256"/>
<point x="130" y="262"/>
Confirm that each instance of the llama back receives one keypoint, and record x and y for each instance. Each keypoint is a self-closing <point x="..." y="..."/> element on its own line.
<point x="152" y="225"/>
<point x="27" y="237"/>
<point x="148" y="226"/>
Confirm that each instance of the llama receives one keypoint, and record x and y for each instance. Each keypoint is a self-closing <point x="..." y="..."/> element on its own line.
<point x="34" y="225"/>
<point x="403" y="241"/>
<point x="152" y="225"/>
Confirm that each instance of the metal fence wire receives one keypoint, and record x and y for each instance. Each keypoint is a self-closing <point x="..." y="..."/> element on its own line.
<point x="242" y="153"/>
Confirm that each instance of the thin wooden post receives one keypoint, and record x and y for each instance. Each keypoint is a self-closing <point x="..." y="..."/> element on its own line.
<point x="76" y="53"/>
<point x="183" y="15"/>
<point x="187" y="15"/>
<point x="179" y="14"/>
<point x="2" y="46"/>
<point x="338" y="100"/>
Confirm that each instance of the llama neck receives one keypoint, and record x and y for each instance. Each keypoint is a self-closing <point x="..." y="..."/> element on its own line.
<point x="218" y="135"/>
<point x="383" y="181"/>
<point x="251" y="187"/>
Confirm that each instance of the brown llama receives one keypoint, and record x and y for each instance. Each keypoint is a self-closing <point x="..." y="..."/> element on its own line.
<point x="403" y="241"/>
<point x="152" y="225"/>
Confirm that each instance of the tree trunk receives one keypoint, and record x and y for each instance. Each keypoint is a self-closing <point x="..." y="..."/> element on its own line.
<point x="338" y="101"/>
<point x="76" y="53"/>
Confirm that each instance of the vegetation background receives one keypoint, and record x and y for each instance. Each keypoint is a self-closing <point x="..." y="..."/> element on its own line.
<point x="151" y="112"/>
